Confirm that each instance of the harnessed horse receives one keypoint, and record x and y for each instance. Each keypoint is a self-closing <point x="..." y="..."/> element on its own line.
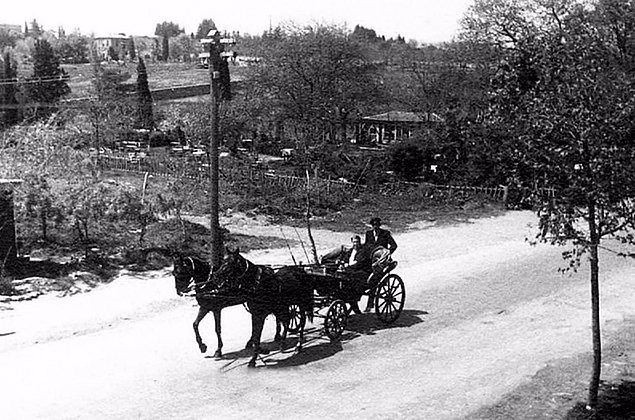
<point x="266" y="292"/>
<point x="192" y="273"/>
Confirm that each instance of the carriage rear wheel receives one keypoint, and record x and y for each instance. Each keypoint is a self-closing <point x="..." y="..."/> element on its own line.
<point x="390" y="296"/>
<point x="336" y="319"/>
<point x="297" y="319"/>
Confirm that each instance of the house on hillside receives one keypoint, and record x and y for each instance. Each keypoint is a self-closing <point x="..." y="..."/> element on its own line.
<point x="109" y="45"/>
<point x="9" y="28"/>
<point x="393" y="126"/>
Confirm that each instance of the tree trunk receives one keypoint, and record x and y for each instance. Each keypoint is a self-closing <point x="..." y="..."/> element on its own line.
<point x="308" y="220"/>
<point x="43" y="224"/>
<point x="594" y="384"/>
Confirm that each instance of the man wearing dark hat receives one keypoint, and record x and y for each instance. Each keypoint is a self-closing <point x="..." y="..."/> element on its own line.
<point x="379" y="237"/>
<point x="374" y="238"/>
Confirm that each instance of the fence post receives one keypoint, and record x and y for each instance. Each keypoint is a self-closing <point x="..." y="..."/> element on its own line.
<point x="505" y="193"/>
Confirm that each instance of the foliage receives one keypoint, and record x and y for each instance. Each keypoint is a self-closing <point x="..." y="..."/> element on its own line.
<point x="204" y="27"/>
<point x="48" y="84"/>
<point x="10" y="114"/>
<point x="313" y="78"/>
<point x="132" y="50"/>
<point x="144" y="98"/>
<point x="406" y="160"/>
<point x="183" y="48"/>
<point x="40" y="203"/>
<point x="109" y="110"/>
<point x="565" y="91"/>
<point x="73" y="49"/>
<point x="167" y="30"/>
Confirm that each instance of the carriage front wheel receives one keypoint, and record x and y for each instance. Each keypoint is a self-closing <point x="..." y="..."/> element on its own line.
<point x="297" y="317"/>
<point x="390" y="296"/>
<point x="336" y="319"/>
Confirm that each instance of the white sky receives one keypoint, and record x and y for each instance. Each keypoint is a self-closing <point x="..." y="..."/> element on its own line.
<point x="423" y="20"/>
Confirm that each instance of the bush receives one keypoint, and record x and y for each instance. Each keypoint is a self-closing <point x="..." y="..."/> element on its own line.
<point x="407" y="160"/>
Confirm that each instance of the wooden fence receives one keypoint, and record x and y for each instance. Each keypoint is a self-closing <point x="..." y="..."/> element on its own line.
<point x="268" y="182"/>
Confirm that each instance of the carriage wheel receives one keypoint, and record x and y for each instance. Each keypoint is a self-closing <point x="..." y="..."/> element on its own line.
<point x="297" y="317"/>
<point x="336" y="319"/>
<point x="389" y="298"/>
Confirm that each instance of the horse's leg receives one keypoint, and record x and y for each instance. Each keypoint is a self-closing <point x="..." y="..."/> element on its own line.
<point x="278" y="336"/>
<point x="298" y="347"/>
<point x="219" y="352"/>
<point x="201" y="314"/>
<point x="257" y="322"/>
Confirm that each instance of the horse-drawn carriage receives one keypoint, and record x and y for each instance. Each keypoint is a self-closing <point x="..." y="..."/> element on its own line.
<point x="292" y="294"/>
<point x="337" y="292"/>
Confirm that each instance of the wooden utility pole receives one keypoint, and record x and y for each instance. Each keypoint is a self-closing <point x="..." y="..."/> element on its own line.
<point x="215" y="48"/>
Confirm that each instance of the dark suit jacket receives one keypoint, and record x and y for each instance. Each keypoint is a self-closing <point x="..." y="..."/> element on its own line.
<point x="384" y="238"/>
<point x="362" y="258"/>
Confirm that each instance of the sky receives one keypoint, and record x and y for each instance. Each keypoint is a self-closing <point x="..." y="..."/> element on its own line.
<point x="427" y="21"/>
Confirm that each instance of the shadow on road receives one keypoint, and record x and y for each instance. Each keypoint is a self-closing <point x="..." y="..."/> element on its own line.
<point x="358" y="325"/>
<point x="368" y="324"/>
<point x="614" y="402"/>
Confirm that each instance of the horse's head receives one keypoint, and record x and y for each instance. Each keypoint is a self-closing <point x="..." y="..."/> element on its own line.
<point x="231" y="271"/>
<point x="184" y="271"/>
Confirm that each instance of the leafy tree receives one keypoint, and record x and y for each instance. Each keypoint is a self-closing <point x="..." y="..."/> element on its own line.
<point x="48" y="83"/>
<point x="313" y="78"/>
<point x="204" y="27"/>
<point x="564" y="90"/>
<point x="144" y="98"/>
<point x="36" y="29"/>
<point x="167" y="30"/>
<point x="8" y="77"/>
<point x="73" y="49"/>
<point x="109" y="110"/>
<point x="7" y="39"/>
<point x="132" y="51"/>
<point x="182" y="48"/>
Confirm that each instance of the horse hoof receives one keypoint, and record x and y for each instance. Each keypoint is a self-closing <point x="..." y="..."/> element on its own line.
<point x="218" y="354"/>
<point x="251" y="364"/>
<point x="202" y="348"/>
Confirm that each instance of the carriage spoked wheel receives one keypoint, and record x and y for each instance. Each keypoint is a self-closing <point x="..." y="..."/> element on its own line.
<point x="297" y="317"/>
<point x="336" y="319"/>
<point x="390" y="296"/>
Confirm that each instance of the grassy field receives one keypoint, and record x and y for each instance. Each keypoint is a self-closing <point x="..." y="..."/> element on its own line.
<point x="160" y="75"/>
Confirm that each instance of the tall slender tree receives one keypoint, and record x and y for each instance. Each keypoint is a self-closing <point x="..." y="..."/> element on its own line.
<point x="9" y="101"/>
<point x="144" y="98"/>
<point x="49" y="81"/>
<point x="167" y="30"/>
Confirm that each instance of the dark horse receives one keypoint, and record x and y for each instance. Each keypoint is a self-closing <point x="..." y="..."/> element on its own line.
<point x="266" y="292"/>
<point x="190" y="272"/>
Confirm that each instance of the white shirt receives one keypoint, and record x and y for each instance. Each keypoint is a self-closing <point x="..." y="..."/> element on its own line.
<point x="351" y="259"/>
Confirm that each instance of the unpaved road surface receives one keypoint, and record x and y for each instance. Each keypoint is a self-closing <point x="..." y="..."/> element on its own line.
<point x="484" y="312"/>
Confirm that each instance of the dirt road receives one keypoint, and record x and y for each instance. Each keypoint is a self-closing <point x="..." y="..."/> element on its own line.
<point x="484" y="312"/>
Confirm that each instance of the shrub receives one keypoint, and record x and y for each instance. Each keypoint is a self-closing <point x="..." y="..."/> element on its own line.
<point x="406" y="160"/>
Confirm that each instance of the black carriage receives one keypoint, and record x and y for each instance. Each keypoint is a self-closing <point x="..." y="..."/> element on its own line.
<point x="337" y="293"/>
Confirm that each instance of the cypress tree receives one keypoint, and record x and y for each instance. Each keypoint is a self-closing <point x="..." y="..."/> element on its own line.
<point x="9" y="76"/>
<point x="48" y="83"/>
<point x="144" y="98"/>
<point x="132" y="53"/>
